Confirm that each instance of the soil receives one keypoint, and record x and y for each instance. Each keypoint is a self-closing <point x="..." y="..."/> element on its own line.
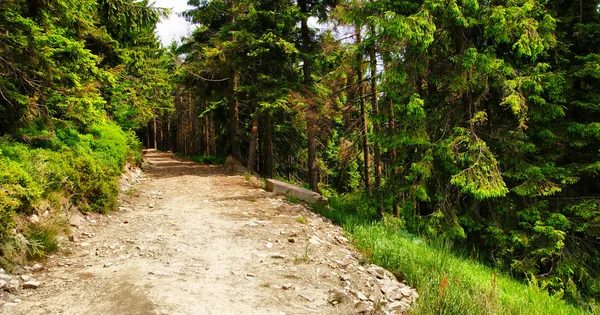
<point x="196" y="239"/>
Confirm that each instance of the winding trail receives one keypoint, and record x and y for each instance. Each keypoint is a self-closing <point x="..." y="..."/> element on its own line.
<point x="193" y="239"/>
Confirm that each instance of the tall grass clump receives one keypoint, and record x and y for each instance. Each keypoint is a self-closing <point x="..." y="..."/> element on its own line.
<point x="448" y="280"/>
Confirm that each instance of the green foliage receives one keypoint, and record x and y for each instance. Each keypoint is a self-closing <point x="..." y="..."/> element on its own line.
<point x="448" y="279"/>
<point x="68" y="71"/>
<point x="215" y="160"/>
<point x="42" y="239"/>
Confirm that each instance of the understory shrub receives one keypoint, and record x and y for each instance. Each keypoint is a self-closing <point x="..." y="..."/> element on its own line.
<point x="81" y="166"/>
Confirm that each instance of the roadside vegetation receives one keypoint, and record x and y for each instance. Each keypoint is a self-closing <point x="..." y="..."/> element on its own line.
<point x="77" y="78"/>
<point x="448" y="278"/>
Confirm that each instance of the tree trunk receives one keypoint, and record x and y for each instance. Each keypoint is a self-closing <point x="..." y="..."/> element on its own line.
<point x="234" y="117"/>
<point x="313" y="176"/>
<point x="268" y="156"/>
<point x="363" y="114"/>
<point x="169" y="143"/>
<point x="375" y="109"/>
<point x="252" y="145"/>
<point x="234" y="102"/>
<point x="393" y="153"/>
<point x="375" y="105"/>
<point x="206" y="131"/>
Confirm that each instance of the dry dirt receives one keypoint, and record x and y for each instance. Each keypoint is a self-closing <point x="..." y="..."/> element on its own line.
<point x="195" y="239"/>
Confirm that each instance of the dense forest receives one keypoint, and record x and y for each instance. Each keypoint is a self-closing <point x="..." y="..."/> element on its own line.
<point x="471" y="121"/>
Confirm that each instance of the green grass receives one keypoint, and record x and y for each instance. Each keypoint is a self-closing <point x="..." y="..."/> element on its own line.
<point x="448" y="281"/>
<point x="59" y="167"/>
<point x="42" y="239"/>
<point x="204" y="159"/>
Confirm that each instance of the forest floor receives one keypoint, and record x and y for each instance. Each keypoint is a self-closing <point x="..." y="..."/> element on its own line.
<point x="195" y="239"/>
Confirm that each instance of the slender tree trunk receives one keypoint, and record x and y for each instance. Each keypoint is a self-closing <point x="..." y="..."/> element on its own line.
<point x="313" y="176"/>
<point x="252" y="145"/>
<point x="234" y="117"/>
<point x="206" y="131"/>
<point x="148" y="136"/>
<point x="234" y="102"/>
<point x="190" y="131"/>
<point x="169" y="143"/>
<point x="268" y="156"/>
<point x="363" y="114"/>
<point x="375" y="109"/>
<point x="393" y="153"/>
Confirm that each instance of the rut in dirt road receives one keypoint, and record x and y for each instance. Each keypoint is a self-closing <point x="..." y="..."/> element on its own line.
<point x="193" y="239"/>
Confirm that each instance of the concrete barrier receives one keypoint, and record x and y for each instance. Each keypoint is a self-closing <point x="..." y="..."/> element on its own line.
<point x="299" y="192"/>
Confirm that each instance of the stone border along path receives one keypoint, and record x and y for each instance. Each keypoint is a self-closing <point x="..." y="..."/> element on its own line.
<point x="193" y="239"/>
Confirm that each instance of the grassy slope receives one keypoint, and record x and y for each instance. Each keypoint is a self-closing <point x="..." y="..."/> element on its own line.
<point x="55" y="171"/>
<point x="447" y="282"/>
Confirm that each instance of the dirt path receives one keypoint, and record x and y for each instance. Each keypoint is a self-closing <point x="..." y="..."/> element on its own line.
<point x="191" y="239"/>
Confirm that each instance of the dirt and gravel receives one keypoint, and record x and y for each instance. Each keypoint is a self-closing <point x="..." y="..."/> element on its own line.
<point x="197" y="239"/>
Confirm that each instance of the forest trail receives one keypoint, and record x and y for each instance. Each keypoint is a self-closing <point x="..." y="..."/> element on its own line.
<point x="192" y="239"/>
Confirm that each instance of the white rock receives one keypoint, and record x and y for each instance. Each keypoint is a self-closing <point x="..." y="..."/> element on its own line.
<point x="307" y="297"/>
<point x="314" y="240"/>
<point x="3" y="284"/>
<point x="37" y="267"/>
<point x="269" y="245"/>
<point x="31" y="284"/>
<point x="76" y="220"/>
<point x="25" y="278"/>
<point x="361" y="296"/>
<point x="406" y="291"/>
<point x="376" y="271"/>
<point x="398" y="306"/>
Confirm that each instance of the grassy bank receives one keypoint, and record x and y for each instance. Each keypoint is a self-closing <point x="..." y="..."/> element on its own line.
<point x="448" y="281"/>
<point x="49" y="173"/>
<point x="203" y="159"/>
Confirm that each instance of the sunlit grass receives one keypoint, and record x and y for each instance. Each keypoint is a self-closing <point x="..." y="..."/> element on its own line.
<point x="447" y="281"/>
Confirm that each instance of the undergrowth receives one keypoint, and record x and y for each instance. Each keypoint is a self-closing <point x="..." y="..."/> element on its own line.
<point x="204" y="159"/>
<point x="48" y="172"/>
<point x="447" y="279"/>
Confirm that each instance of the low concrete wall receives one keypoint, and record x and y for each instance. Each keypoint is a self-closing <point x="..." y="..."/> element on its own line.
<point x="299" y="192"/>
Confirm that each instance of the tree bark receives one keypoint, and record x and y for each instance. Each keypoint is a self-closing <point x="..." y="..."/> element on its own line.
<point x="375" y="109"/>
<point x="154" y="133"/>
<point x="252" y="145"/>
<point x="234" y="117"/>
<point x="313" y="176"/>
<point x="206" y="131"/>
<point x="268" y="156"/>
<point x="363" y="114"/>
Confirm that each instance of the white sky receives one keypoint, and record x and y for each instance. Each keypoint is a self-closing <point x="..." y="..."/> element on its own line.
<point x="175" y="27"/>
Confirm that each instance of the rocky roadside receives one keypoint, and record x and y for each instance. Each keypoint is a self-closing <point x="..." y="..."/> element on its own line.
<point x="370" y="288"/>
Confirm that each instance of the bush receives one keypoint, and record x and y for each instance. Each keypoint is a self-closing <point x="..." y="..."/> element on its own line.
<point x="85" y="167"/>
